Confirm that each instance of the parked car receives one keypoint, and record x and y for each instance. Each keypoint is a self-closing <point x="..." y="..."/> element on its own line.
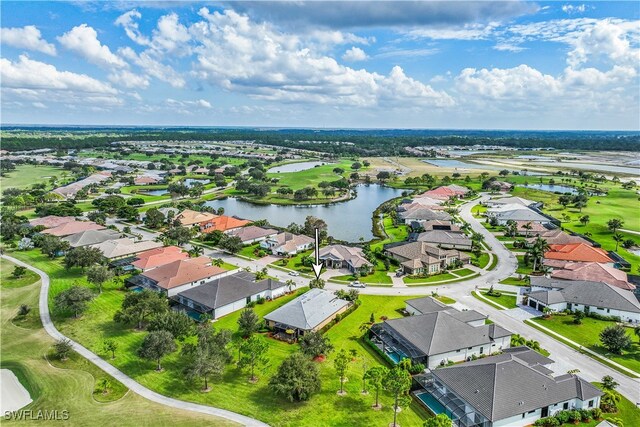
<point x="294" y="273"/>
<point x="357" y="284"/>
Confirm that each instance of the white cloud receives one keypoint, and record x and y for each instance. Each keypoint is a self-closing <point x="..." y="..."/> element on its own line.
<point x="83" y="40"/>
<point x="465" y="32"/>
<point x="399" y="53"/>
<point x="256" y="59"/>
<point x="36" y="81"/>
<point x="128" y="79"/>
<point x="506" y="47"/>
<point x="571" y="9"/>
<point x="187" y="107"/>
<point x="153" y="67"/>
<point x="513" y="83"/>
<point x="128" y="22"/>
<point x="608" y="39"/>
<point x="170" y="35"/>
<point x="354" y="54"/>
<point x="28" y="37"/>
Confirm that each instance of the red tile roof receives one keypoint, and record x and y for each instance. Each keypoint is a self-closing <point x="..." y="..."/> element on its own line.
<point x="577" y="252"/>
<point x="183" y="271"/>
<point x="51" y="221"/>
<point x="73" y="227"/>
<point x="223" y="223"/>
<point x="159" y="256"/>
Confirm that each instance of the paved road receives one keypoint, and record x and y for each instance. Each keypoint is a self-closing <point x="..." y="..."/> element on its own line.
<point x="119" y="375"/>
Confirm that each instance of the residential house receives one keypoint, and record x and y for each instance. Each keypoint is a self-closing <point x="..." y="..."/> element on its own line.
<point x="252" y="234"/>
<point x="224" y="295"/>
<point x="583" y="295"/>
<point x="178" y="276"/>
<point x="513" y="389"/>
<point x="438" y="225"/>
<point x="422" y="213"/>
<point x="200" y="170"/>
<point x="438" y="335"/>
<point x="223" y="223"/>
<point x="157" y="257"/>
<point x="51" y="221"/>
<point x="119" y="248"/>
<point x="446" y="192"/>
<point x="593" y="271"/>
<point x="501" y="201"/>
<point x="189" y="217"/>
<point x="503" y="215"/>
<point x="423" y="258"/>
<point x="501" y="186"/>
<point x="308" y="312"/>
<point x="91" y="237"/>
<point x="70" y="191"/>
<point x="286" y="244"/>
<point x="557" y="237"/>
<point x="577" y="252"/>
<point x="72" y="227"/>
<point x="341" y="256"/>
<point x="145" y="180"/>
<point x="446" y="239"/>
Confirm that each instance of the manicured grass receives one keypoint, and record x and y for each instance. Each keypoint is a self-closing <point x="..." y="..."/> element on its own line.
<point x="377" y="277"/>
<point x="295" y="262"/>
<point x="249" y="250"/>
<point x="396" y="233"/>
<point x="482" y="260"/>
<point x="522" y="267"/>
<point x="445" y="299"/>
<point x="430" y="279"/>
<point x="505" y="300"/>
<point x="6" y="269"/>
<point x="628" y="412"/>
<point x="26" y="175"/>
<point x="514" y="281"/>
<point x="587" y="335"/>
<point x="71" y="386"/>
<point x="463" y="272"/>
<point x="233" y="391"/>
<point x="494" y="262"/>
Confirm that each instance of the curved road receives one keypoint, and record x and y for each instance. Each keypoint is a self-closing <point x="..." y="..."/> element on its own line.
<point x="50" y="328"/>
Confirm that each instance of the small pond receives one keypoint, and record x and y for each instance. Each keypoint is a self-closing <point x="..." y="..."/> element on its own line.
<point x="161" y="192"/>
<point x="295" y="167"/>
<point x="189" y="182"/>
<point x="458" y="164"/>
<point x="553" y="188"/>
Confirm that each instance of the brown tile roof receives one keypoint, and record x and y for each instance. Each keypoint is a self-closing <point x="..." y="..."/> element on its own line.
<point x="183" y="271"/>
<point x="51" y="221"/>
<point x="126" y="246"/>
<point x="189" y="217"/>
<point x="559" y="237"/>
<point x="158" y="256"/>
<point x="577" y="252"/>
<point x="73" y="227"/>
<point x="223" y="223"/>
<point x="252" y="232"/>
<point x="141" y="180"/>
<point x="595" y="272"/>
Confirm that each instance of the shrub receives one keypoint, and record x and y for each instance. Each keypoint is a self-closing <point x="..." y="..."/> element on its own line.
<point x="62" y="348"/>
<point x="596" y="413"/>
<point x="585" y="415"/>
<point x="24" y="310"/>
<point x="562" y="417"/>
<point x="574" y="416"/>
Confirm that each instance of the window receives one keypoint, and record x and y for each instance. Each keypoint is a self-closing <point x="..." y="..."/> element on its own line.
<point x="608" y="310"/>
<point x="469" y="348"/>
<point x="591" y="403"/>
<point x="481" y="350"/>
<point x="565" y="405"/>
<point x="531" y="412"/>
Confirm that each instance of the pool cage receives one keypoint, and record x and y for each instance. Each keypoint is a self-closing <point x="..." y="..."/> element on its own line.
<point x="393" y="345"/>
<point x="462" y="414"/>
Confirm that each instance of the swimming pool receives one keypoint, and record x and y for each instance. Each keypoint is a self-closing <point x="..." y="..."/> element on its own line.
<point x="433" y="404"/>
<point x="395" y="356"/>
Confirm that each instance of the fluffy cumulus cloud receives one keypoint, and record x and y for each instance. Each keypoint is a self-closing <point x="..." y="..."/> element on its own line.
<point x="128" y="79"/>
<point x="570" y="9"/>
<point x="153" y="67"/>
<point x="83" y="40"/>
<point x="28" y="37"/>
<point x="37" y="81"/>
<point x="254" y="58"/>
<point x="354" y="54"/>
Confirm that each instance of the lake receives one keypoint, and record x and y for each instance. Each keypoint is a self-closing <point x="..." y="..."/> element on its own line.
<point x="347" y="221"/>
<point x="160" y="192"/>
<point x="295" y="167"/>
<point x="457" y="164"/>
<point x="604" y="167"/>
<point x="190" y="181"/>
<point x="553" y="188"/>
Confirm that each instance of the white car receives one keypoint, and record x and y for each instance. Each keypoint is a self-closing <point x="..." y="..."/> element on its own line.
<point x="357" y="284"/>
<point x="294" y="273"/>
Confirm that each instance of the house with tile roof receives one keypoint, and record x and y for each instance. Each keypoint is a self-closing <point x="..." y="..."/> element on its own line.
<point x="593" y="271"/>
<point x="178" y="276"/>
<point x="422" y="213"/>
<point x="501" y="201"/>
<point x="341" y="256"/>
<point x="512" y="389"/>
<point x="92" y="237"/>
<point x="445" y="239"/>
<point x="516" y="213"/>
<point x="578" y="252"/>
<point x="310" y="311"/>
<point x="557" y="237"/>
<point x="145" y="180"/>
<point x="190" y="217"/>
<point x="287" y="244"/>
<point x="252" y="234"/>
<point x="438" y="225"/>
<point x="227" y="294"/>
<point x="446" y="192"/>
<point x="73" y="227"/>
<point x="423" y="258"/>
<point x="436" y="335"/>
<point x="157" y="257"/>
<point x="119" y="248"/>
<point x="51" y="221"/>
<point x="222" y="223"/>
<point x="584" y="295"/>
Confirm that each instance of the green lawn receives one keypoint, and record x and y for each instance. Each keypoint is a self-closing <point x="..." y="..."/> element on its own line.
<point x="233" y="391"/>
<point x="514" y="281"/>
<point x="70" y="385"/>
<point x="430" y="279"/>
<point x="587" y="335"/>
<point x="481" y="261"/>
<point x="249" y="250"/>
<point x="463" y="272"/>
<point x="445" y="299"/>
<point x="6" y="269"/>
<point x="396" y="233"/>
<point x="522" y="267"/>
<point x="26" y="175"/>
<point x="505" y="300"/>
<point x="295" y="262"/>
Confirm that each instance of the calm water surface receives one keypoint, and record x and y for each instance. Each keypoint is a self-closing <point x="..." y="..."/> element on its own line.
<point x="295" y="167"/>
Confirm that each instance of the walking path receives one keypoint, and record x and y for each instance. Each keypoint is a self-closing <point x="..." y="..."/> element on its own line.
<point x="134" y="386"/>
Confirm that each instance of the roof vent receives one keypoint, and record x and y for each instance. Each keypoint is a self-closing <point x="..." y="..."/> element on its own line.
<point x="521" y="402"/>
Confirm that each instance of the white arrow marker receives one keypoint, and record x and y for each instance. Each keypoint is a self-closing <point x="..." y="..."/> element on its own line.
<point x="317" y="266"/>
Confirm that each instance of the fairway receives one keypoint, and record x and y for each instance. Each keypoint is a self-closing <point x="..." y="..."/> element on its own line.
<point x="26" y="175"/>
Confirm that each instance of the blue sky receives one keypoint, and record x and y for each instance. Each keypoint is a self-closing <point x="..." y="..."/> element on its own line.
<point x="457" y="64"/>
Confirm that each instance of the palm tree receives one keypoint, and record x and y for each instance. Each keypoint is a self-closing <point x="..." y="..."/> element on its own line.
<point x="290" y="284"/>
<point x="527" y="227"/>
<point x="196" y="251"/>
<point x="618" y="238"/>
<point x="218" y="262"/>
<point x="636" y="331"/>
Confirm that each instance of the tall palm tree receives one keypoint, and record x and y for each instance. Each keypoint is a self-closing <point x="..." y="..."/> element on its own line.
<point x="618" y="238"/>
<point x="527" y="227"/>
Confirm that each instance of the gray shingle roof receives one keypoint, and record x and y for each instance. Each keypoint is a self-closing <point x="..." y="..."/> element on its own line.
<point x="308" y="310"/>
<point x="427" y="304"/>
<point x="91" y="237"/>
<point x="225" y="290"/>
<point x="523" y="214"/>
<point x="584" y="292"/>
<point x="506" y="385"/>
<point x="444" y="237"/>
